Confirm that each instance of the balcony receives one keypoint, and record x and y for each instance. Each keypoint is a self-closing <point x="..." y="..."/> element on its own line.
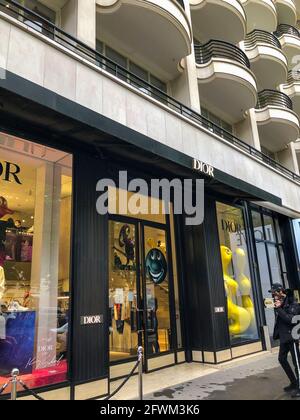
<point x="286" y="12"/>
<point x="225" y="80"/>
<point x="289" y="38"/>
<point x="292" y="89"/>
<point x="268" y="62"/>
<point x="224" y="20"/>
<point x="278" y="125"/>
<point x="156" y="33"/>
<point x="260" y="15"/>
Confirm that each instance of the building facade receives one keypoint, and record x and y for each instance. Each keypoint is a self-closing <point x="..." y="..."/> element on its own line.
<point x="160" y="89"/>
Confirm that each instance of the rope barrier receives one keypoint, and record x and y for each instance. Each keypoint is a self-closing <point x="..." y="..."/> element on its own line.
<point x="26" y="388"/>
<point x="14" y="381"/>
<point x="3" y="388"/>
<point x="123" y="383"/>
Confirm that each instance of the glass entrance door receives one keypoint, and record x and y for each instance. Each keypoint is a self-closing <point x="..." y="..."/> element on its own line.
<point x="140" y="290"/>
<point x="156" y="289"/>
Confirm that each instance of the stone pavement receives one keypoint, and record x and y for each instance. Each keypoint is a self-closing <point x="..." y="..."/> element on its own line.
<point x="260" y="379"/>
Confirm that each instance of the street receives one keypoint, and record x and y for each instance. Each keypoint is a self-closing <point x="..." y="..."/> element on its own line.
<point x="259" y="379"/>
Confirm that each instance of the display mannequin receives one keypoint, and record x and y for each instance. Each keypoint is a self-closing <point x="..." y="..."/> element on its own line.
<point x="245" y="285"/>
<point x="239" y="317"/>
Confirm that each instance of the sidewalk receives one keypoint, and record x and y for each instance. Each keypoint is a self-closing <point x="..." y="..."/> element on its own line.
<point x="252" y="378"/>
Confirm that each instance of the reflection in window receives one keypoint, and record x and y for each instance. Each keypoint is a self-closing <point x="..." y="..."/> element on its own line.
<point x="35" y="232"/>
<point x="122" y="291"/>
<point x="237" y="276"/>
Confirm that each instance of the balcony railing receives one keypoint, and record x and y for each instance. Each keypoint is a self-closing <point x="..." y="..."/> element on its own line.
<point x="37" y="23"/>
<point x="261" y="37"/>
<point x="270" y="97"/>
<point x="293" y="76"/>
<point x="181" y="3"/>
<point x="220" y="49"/>
<point x="284" y="29"/>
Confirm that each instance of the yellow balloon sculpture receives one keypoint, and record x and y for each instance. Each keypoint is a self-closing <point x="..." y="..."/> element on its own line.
<point x="245" y="284"/>
<point x="240" y="319"/>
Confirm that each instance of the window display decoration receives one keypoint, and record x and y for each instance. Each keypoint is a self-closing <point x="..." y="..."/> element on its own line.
<point x="156" y="266"/>
<point x="241" y="318"/>
<point x="126" y="243"/>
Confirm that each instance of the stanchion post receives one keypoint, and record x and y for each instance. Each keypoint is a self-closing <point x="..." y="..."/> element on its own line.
<point x="140" y="359"/>
<point x="14" y="383"/>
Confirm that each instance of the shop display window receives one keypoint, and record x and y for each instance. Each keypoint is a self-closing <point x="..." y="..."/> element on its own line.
<point x="237" y="275"/>
<point x="35" y="234"/>
<point x="271" y="257"/>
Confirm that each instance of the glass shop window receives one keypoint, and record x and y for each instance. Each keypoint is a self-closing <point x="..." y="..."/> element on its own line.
<point x="35" y="236"/>
<point x="237" y="275"/>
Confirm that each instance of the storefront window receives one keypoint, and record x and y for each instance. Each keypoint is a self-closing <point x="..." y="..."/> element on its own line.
<point x="35" y="231"/>
<point x="270" y="254"/>
<point x="237" y="275"/>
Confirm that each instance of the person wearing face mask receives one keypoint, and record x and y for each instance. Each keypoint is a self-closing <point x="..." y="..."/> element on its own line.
<point x="286" y="309"/>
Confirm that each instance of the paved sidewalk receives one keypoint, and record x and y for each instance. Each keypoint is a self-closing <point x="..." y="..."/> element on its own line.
<point x="256" y="379"/>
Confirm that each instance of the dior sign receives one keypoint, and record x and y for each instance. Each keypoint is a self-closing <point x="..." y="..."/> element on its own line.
<point x="204" y="168"/>
<point x="10" y="172"/>
<point x="91" y="320"/>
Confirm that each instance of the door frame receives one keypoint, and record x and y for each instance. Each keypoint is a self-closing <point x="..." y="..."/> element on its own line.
<point x="140" y="225"/>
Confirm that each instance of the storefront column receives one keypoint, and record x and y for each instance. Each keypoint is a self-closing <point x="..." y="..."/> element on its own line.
<point x="45" y="261"/>
<point x="78" y="18"/>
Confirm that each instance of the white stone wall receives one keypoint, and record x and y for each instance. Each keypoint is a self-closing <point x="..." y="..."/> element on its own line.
<point x="35" y="58"/>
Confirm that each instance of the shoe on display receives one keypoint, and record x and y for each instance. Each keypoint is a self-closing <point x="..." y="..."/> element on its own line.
<point x="290" y="388"/>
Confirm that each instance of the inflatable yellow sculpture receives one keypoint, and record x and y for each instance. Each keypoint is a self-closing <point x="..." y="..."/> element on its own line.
<point x="245" y="284"/>
<point x="240" y="318"/>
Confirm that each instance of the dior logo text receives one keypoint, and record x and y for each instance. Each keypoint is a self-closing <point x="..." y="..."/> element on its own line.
<point x="231" y="227"/>
<point x="9" y="172"/>
<point x="91" y="320"/>
<point x="204" y="168"/>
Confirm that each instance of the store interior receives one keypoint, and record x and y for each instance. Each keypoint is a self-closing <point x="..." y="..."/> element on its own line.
<point x="35" y="230"/>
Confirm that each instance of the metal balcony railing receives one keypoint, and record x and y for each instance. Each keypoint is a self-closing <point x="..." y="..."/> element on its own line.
<point x="284" y="29"/>
<point x="76" y="46"/>
<point x="261" y="37"/>
<point x="293" y="76"/>
<point x="181" y="3"/>
<point x="270" y="97"/>
<point x="220" y="49"/>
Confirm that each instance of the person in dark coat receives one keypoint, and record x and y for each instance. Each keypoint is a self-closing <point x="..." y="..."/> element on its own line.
<point x="286" y="309"/>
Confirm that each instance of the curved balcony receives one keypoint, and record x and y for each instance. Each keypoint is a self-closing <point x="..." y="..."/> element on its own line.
<point x="213" y="19"/>
<point x="286" y="11"/>
<point x="289" y="38"/>
<point x="292" y="89"/>
<point x="261" y="14"/>
<point x="278" y="125"/>
<point x="225" y="80"/>
<point x="128" y="25"/>
<point x="268" y="62"/>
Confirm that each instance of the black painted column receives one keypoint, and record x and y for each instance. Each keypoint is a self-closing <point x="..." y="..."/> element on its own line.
<point x="89" y="343"/>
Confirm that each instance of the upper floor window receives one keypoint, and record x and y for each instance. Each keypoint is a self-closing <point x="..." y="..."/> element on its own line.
<point x="138" y="71"/>
<point x="43" y="11"/>
<point x="216" y="120"/>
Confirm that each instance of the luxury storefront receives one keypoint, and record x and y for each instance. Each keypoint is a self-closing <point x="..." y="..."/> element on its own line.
<point x="80" y="291"/>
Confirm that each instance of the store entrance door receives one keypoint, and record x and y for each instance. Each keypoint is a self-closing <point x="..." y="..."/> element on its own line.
<point x="140" y="290"/>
